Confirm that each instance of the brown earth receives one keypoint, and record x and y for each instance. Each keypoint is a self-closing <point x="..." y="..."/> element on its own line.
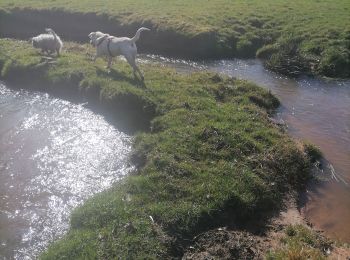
<point x="226" y="243"/>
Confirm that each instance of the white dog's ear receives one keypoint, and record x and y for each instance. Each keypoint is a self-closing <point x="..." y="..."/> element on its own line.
<point x="91" y="34"/>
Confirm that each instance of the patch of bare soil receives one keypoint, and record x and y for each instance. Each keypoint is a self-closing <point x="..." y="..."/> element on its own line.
<point x="226" y="244"/>
<point x="223" y="243"/>
<point x="340" y="253"/>
<point x="290" y="215"/>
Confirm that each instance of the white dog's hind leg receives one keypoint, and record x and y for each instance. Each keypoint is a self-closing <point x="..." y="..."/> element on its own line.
<point x="109" y="62"/>
<point x="140" y="73"/>
<point x="131" y="61"/>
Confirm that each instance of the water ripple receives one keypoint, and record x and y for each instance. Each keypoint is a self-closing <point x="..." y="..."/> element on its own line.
<point x="53" y="156"/>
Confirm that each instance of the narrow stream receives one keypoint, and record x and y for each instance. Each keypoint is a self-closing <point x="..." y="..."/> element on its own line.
<point x="53" y="155"/>
<point x="314" y="110"/>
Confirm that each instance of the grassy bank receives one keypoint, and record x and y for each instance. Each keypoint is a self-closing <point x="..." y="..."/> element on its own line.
<point x="301" y="242"/>
<point x="294" y="36"/>
<point x="208" y="155"/>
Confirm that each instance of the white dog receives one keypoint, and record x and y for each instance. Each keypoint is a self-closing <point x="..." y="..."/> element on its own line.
<point x="48" y="42"/>
<point x="112" y="46"/>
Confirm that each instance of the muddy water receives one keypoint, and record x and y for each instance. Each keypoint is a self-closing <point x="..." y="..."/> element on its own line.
<point x="314" y="110"/>
<point x="53" y="156"/>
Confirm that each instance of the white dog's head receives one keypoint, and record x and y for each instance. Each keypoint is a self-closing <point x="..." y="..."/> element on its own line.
<point x="49" y="30"/>
<point x="94" y="36"/>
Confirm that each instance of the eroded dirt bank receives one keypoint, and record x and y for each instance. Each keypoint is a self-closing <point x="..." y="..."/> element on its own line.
<point x="286" y="235"/>
<point x="25" y="23"/>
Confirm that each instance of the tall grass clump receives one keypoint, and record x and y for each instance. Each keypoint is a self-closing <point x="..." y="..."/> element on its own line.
<point x="335" y="62"/>
<point x="285" y="56"/>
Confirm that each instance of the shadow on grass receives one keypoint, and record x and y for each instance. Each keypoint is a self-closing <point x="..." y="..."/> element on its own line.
<point x="117" y="75"/>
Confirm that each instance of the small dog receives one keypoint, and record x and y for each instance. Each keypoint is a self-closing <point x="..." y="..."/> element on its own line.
<point x="112" y="46"/>
<point x="49" y="42"/>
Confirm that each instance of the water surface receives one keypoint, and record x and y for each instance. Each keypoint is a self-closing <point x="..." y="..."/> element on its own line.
<point x="53" y="155"/>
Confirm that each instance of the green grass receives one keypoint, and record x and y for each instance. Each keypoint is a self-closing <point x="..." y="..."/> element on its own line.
<point x="301" y="243"/>
<point x="211" y="156"/>
<point x="313" y="151"/>
<point x="318" y="31"/>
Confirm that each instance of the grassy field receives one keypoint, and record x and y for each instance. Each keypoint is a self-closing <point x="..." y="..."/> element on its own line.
<point x="295" y="36"/>
<point x="210" y="157"/>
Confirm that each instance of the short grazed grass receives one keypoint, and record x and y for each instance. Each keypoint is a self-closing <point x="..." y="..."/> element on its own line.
<point x="295" y="36"/>
<point x="211" y="156"/>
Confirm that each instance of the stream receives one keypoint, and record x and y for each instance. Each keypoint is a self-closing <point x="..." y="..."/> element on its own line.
<point x="53" y="156"/>
<point x="314" y="110"/>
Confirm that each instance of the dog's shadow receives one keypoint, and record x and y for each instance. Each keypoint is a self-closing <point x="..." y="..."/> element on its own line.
<point x="112" y="73"/>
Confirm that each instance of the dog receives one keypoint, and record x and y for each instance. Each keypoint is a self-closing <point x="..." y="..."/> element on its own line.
<point x="49" y="42"/>
<point x="111" y="46"/>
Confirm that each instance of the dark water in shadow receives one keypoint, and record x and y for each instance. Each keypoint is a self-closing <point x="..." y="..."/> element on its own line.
<point x="53" y="155"/>
<point x="314" y="110"/>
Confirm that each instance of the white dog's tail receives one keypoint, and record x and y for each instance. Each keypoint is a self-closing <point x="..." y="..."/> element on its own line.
<point x="57" y="38"/>
<point x="49" y="30"/>
<point x="137" y="35"/>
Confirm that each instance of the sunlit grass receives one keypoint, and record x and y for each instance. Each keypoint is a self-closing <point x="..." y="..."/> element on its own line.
<point x="240" y="27"/>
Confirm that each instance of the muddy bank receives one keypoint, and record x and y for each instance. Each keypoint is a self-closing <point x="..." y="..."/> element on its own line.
<point x="287" y="235"/>
<point x="26" y="23"/>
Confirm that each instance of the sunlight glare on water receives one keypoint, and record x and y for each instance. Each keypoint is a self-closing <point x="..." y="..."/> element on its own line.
<point x="53" y="156"/>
